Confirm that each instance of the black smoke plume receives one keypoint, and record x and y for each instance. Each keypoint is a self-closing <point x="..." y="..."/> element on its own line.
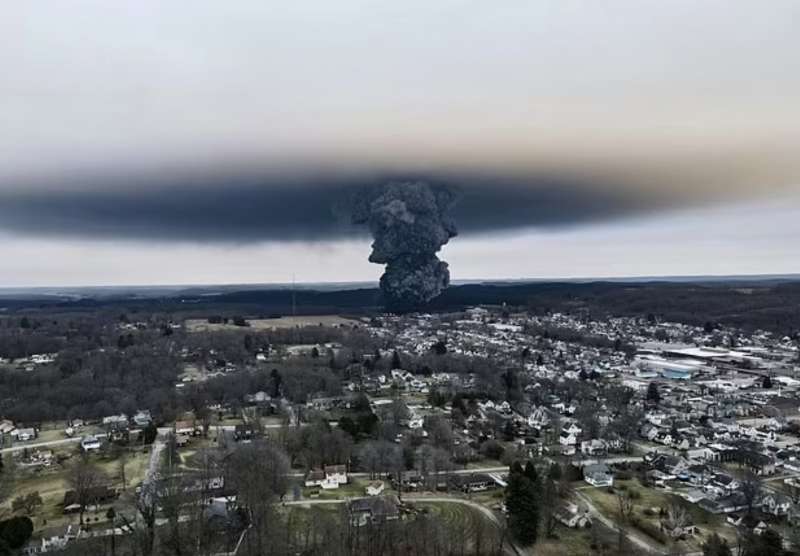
<point x="410" y="223"/>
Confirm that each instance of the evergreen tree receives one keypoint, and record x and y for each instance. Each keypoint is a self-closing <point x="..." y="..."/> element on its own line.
<point x="522" y="503"/>
<point x="532" y="473"/>
<point x="15" y="532"/>
<point x="653" y="395"/>
<point x="716" y="546"/>
<point x="768" y="543"/>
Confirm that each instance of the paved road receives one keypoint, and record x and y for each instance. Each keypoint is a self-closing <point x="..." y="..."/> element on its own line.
<point x="382" y="475"/>
<point x="609" y="460"/>
<point x="33" y="445"/>
<point x="151" y="474"/>
<point x="48" y="444"/>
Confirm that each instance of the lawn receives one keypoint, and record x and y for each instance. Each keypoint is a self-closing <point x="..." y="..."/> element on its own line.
<point x="598" y="539"/>
<point x="468" y="525"/>
<point x="354" y="489"/>
<point x="135" y="467"/>
<point x="52" y="482"/>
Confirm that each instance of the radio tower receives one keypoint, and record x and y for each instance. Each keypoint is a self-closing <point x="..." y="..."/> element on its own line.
<point x="294" y="299"/>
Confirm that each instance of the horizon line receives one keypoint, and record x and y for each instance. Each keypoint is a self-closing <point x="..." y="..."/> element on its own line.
<point x="459" y="282"/>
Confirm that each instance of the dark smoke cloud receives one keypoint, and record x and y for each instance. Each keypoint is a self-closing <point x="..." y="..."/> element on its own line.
<point x="255" y="208"/>
<point x="410" y="223"/>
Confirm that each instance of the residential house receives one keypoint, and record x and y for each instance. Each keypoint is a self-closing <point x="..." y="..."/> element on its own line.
<point x="6" y="427"/>
<point x="24" y="435"/>
<point x="315" y="477"/>
<point x="244" y="433"/>
<point x="96" y="495"/>
<point x="90" y="443"/>
<point x="118" y="431"/>
<point x="121" y="418"/>
<point x="374" y="509"/>
<point x="570" y="515"/>
<point x="185" y="427"/>
<point x="142" y="418"/>
<point x="539" y="418"/>
<point x="568" y="437"/>
<point x="594" y="448"/>
<point x="776" y="504"/>
<point x="376" y="488"/>
<point x="328" y="478"/>
<point x="598" y="475"/>
<point x="724" y="483"/>
<point x="336" y="474"/>
<point x="475" y="482"/>
<point x="728" y="504"/>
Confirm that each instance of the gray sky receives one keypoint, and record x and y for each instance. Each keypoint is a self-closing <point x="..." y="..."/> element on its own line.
<point x="638" y="137"/>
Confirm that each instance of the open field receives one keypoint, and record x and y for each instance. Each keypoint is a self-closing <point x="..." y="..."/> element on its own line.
<point x="647" y="504"/>
<point x="474" y="531"/>
<point x="597" y="539"/>
<point x="201" y="325"/>
<point x="52" y="482"/>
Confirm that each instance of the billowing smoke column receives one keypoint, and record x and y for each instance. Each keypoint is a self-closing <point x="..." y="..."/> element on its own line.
<point x="410" y="223"/>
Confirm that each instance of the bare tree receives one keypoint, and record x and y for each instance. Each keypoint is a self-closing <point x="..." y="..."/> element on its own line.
<point x="147" y="506"/>
<point x="27" y="503"/>
<point x="120" y="453"/>
<point x="258" y="472"/>
<point x="85" y="478"/>
<point x="625" y="503"/>
<point x="370" y="458"/>
<point x="172" y="499"/>
<point x="751" y="488"/>
<point x="676" y="519"/>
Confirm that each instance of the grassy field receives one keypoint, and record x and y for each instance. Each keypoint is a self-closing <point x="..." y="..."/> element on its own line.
<point x="646" y="505"/>
<point x="469" y="526"/>
<point x="578" y="542"/>
<point x="51" y="483"/>
<point x="201" y="325"/>
<point x="465" y="526"/>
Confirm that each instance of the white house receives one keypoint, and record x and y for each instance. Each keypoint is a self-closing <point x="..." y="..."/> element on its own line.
<point x="598" y="475"/>
<point x="6" y="426"/>
<point x="538" y="418"/>
<point x="375" y="488"/>
<point x="415" y="422"/>
<point x="335" y="474"/>
<point x="329" y="478"/>
<point x="776" y="504"/>
<point x="567" y="439"/>
<point x="24" y="435"/>
<point x="89" y="443"/>
<point x="142" y="418"/>
<point x="121" y="419"/>
<point x="594" y="447"/>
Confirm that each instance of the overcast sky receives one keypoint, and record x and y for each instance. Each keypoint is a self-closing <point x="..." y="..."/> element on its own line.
<point x="198" y="141"/>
